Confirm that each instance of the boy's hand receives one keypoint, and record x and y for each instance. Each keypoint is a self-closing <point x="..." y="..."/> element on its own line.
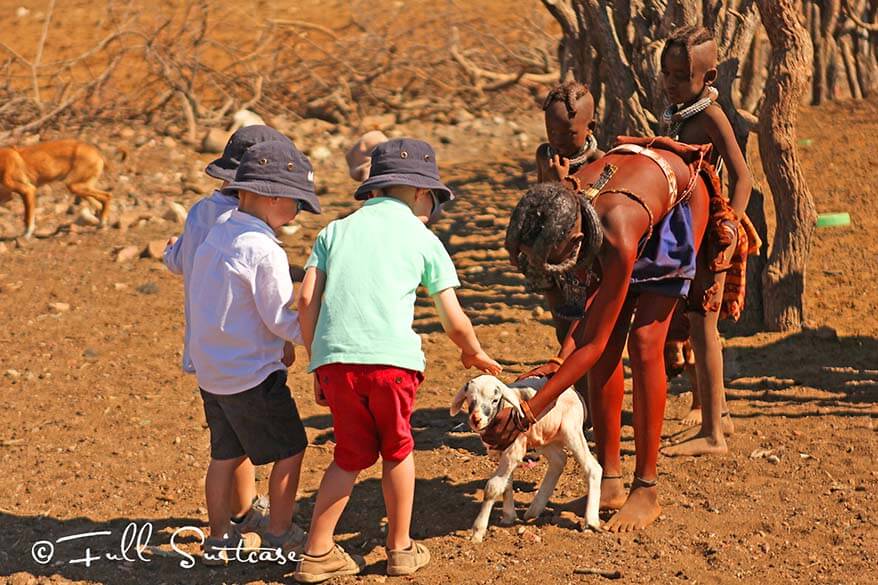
<point x="559" y="167"/>
<point x="481" y="361"/>
<point x="319" y="398"/>
<point x="289" y="356"/>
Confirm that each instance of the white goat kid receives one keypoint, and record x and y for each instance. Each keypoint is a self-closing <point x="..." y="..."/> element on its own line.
<point x="559" y="426"/>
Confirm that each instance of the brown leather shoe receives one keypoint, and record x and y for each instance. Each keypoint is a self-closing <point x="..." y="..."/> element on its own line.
<point x="407" y="561"/>
<point x="217" y="552"/>
<point x="335" y="563"/>
<point x="291" y="542"/>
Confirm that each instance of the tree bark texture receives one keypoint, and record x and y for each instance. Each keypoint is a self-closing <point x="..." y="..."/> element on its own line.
<point x="788" y="78"/>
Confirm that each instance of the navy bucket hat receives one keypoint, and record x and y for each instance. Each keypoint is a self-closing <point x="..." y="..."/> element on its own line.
<point x="404" y="161"/>
<point x="225" y="166"/>
<point x="276" y="169"/>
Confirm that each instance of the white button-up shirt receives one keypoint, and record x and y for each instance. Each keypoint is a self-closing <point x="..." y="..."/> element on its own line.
<point x="180" y="256"/>
<point x="239" y="296"/>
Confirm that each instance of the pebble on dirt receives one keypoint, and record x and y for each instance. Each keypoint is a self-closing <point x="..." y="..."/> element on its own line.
<point x="149" y="288"/>
<point x="127" y="254"/>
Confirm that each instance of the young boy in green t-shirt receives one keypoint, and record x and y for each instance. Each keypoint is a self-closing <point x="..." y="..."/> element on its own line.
<point x="356" y="311"/>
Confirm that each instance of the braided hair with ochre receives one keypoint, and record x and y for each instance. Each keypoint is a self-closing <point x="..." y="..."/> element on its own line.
<point x="569" y="92"/>
<point x="687" y="38"/>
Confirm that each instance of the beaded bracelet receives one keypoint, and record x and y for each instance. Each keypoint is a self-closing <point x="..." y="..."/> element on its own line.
<point x="556" y="360"/>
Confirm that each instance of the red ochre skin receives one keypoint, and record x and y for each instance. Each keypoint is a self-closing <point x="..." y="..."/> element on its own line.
<point x="600" y="338"/>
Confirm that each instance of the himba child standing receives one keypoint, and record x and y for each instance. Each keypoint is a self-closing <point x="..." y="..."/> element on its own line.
<point x="569" y="115"/>
<point x="570" y="125"/>
<point x="689" y="69"/>
<point x="356" y="310"/>
<point x="240" y="320"/>
<point x="249" y="512"/>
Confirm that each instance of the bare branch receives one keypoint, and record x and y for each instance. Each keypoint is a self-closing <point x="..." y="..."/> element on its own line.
<point x="35" y="65"/>
<point x="871" y="27"/>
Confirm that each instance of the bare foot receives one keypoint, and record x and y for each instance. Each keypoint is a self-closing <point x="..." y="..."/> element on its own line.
<point x="697" y="446"/>
<point x="693" y="418"/>
<point x="612" y="493"/>
<point x="727" y="425"/>
<point x="640" y="510"/>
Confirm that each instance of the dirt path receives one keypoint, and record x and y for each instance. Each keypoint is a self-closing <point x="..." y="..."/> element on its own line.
<point x="101" y="428"/>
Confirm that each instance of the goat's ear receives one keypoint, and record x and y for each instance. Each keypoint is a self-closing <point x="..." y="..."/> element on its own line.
<point x="510" y="396"/>
<point x="459" y="399"/>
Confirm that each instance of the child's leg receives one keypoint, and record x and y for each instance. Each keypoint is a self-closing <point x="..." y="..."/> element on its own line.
<point x="243" y="488"/>
<point x="645" y="349"/>
<point x="398" y="485"/>
<point x="217" y="490"/>
<point x="332" y="497"/>
<point x="694" y="416"/>
<point x="391" y="401"/>
<point x="709" y="372"/>
<point x="283" y="485"/>
<point x="346" y="388"/>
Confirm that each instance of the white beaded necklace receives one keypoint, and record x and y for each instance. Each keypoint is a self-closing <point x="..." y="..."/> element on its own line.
<point x="591" y="145"/>
<point x="673" y="117"/>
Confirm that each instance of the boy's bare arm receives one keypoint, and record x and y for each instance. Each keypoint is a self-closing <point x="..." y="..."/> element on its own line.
<point x="459" y="329"/>
<point x="308" y="303"/>
<point x="310" y="298"/>
<point x="723" y="138"/>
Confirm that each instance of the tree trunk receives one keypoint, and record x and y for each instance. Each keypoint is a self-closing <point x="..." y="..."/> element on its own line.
<point x="791" y="60"/>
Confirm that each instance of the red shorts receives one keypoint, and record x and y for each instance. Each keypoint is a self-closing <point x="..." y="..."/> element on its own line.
<point x="371" y="410"/>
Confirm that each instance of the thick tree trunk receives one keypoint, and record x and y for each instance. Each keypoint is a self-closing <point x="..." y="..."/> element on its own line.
<point x="791" y="59"/>
<point x="588" y="24"/>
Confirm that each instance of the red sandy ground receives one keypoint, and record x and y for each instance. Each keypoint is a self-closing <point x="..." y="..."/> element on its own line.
<point x="101" y="428"/>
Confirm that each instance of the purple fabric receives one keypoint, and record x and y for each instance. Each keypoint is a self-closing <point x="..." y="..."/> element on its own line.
<point x="667" y="264"/>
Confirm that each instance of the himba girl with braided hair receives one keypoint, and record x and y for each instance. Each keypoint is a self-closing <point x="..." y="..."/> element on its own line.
<point x="626" y="229"/>
<point x="569" y="112"/>
<point x="569" y="115"/>
<point x="689" y="69"/>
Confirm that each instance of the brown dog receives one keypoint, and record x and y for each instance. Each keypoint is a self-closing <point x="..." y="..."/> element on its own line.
<point x="76" y="163"/>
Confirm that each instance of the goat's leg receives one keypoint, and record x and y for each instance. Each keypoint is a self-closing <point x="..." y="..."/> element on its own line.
<point x="497" y="485"/>
<point x="557" y="459"/>
<point x="593" y="472"/>
<point x="509" y="517"/>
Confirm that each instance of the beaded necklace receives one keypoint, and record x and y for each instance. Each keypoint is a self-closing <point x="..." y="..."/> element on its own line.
<point x="581" y="157"/>
<point x="673" y="117"/>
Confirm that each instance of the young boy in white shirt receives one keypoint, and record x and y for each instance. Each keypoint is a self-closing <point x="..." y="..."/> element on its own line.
<point x="249" y="511"/>
<point x="240" y="292"/>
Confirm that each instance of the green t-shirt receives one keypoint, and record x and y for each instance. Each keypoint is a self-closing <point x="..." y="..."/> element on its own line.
<point x="374" y="261"/>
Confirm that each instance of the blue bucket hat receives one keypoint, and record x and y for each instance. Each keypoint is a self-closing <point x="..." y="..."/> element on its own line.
<point x="225" y="166"/>
<point x="404" y="161"/>
<point x="276" y="169"/>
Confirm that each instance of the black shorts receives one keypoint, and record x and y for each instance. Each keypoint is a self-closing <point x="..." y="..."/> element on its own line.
<point x="262" y="423"/>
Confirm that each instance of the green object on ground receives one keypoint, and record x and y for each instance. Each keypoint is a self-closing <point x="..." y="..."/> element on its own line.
<point x="833" y="219"/>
